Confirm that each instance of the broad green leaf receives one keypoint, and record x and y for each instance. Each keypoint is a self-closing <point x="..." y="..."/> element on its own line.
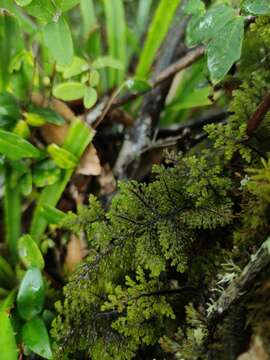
<point x="52" y="215"/>
<point x="225" y="49"/>
<point x="90" y="97"/>
<point x="9" y="109"/>
<point x="107" y="61"/>
<point x="69" y="91"/>
<point x="94" y="78"/>
<point x="58" y="39"/>
<point x="23" y="2"/>
<point x="47" y="115"/>
<point x="156" y="34"/>
<point x="78" y="66"/>
<point x="138" y="85"/>
<point x="116" y="37"/>
<point x="202" y="28"/>
<point x="26" y="184"/>
<point x="36" y="338"/>
<point x="62" y="157"/>
<point x="194" y="7"/>
<point x="10" y="43"/>
<point x="46" y="173"/>
<point x="30" y="298"/>
<point x="43" y="10"/>
<point x="65" y="5"/>
<point x="257" y="7"/>
<point x="8" y="344"/>
<point x="29" y="252"/>
<point x="14" y="147"/>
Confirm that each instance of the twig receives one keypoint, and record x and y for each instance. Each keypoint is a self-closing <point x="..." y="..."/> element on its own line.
<point x="153" y="103"/>
<point x="258" y="116"/>
<point x="181" y="64"/>
<point x="239" y="287"/>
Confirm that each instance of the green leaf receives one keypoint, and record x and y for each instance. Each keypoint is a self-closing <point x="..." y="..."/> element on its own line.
<point x="257" y="7"/>
<point x="90" y="97"/>
<point x="156" y="34"/>
<point x="9" y="109"/>
<point x="78" y="66"/>
<point x="138" y="85"/>
<point x="36" y="338"/>
<point x="202" y="28"/>
<point x="23" y="2"/>
<point x="94" y="78"/>
<point x="33" y="119"/>
<point x="7" y="275"/>
<point x="47" y="114"/>
<point x="192" y="91"/>
<point x="225" y="49"/>
<point x="22" y="129"/>
<point x="29" y="252"/>
<point x="66" y="5"/>
<point x="15" y="148"/>
<point x="30" y="298"/>
<point x="107" y="61"/>
<point x="43" y="10"/>
<point x="46" y="173"/>
<point x="26" y="184"/>
<point x="193" y="7"/>
<point x="57" y="38"/>
<point x="7" y="338"/>
<point x="10" y="42"/>
<point x="62" y="157"/>
<point x="52" y="215"/>
<point x="69" y="91"/>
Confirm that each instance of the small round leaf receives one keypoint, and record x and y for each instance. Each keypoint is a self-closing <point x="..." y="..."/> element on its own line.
<point x="30" y="298"/>
<point x="90" y="97"/>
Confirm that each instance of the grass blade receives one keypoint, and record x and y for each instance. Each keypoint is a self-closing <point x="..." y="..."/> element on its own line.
<point x="116" y="37"/>
<point x="142" y="16"/>
<point x="12" y="214"/>
<point x="79" y="136"/>
<point x="156" y="34"/>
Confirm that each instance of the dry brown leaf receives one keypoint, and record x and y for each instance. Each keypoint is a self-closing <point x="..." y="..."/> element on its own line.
<point x="256" y="351"/>
<point x="90" y="163"/>
<point x="76" y="251"/>
<point x="107" y="180"/>
<point x="54" y="134"/>
<point x="58" y="106"/>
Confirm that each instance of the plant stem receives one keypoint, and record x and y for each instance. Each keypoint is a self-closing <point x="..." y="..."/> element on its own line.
<point x="12" y="213"/>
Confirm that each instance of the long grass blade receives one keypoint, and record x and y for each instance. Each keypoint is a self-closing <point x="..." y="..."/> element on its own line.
<point x="12" y="214"/>
<point x="116" y="38"/>
<point x="156" y="34"/>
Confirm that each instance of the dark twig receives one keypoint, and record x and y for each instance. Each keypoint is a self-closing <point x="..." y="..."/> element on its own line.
<point x="181" y="64"/>
<point x="258" y="116"/>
